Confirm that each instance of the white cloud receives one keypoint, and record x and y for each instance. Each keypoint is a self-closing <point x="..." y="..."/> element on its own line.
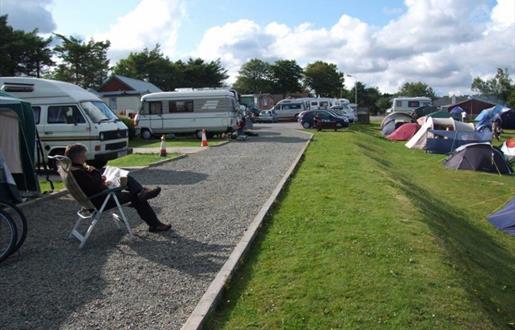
<point x="150" y="22"/>
<point x="28" y="15"/>
<point x="442" y="42"/>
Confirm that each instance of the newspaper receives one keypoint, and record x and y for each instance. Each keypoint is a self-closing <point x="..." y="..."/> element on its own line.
<point x="115" y="177"/>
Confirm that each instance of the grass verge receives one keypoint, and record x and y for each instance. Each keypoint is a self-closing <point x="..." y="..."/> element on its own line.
<point x="180" y="142"/>
<point x="371" y="234"/>
<point x="133" y="160"/>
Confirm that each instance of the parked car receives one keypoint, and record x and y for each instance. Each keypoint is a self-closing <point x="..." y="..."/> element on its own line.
<point x="267" y="116"/>
<point x="344" y="110"/>
<point x="328" y="119"/>
<point x="65" y="113"/>
<point x="289" y="109"/>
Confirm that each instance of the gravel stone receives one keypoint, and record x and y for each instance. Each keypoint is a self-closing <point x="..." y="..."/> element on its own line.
<point x="156" y="280"/>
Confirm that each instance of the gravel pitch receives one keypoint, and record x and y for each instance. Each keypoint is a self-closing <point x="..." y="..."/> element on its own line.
<point x="154" y="281"/>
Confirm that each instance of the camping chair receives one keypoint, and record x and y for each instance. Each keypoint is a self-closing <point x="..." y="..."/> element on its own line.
<point x="88" y="212"/>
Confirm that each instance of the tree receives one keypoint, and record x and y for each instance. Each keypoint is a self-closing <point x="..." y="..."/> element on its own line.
<point x="414" y="89"/>
<point x="511" y="98"/>
<point x="383" y="103"/>
<point x="83" y="63"/>
<point x="324" y="78"/>
<point x="23" y="53"/>
<point x="198" y="73"/>
<point x="255" y="76"/>
<point x="151" y="65"/>
<point x="499" y="86"/>
<point x="286" y="75"/>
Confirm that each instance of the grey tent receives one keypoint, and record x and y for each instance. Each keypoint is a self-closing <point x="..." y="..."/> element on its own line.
<point x="393" y="121"/>
<point x="504" y="219"/>
<point x="478" y="157"/>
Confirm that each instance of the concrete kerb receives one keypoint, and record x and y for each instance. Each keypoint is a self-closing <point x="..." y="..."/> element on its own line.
<point x="214" y="292"/>
<point x="64" y="191"/>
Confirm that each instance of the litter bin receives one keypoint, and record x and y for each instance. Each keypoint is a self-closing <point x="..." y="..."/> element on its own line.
<point x="363" y="116"/>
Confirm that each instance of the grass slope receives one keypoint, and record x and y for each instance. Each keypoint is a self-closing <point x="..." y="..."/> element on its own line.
<point x="371" y="234"/>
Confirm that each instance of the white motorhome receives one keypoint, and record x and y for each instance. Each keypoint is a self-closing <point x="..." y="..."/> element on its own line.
<point x="65" y="114"/>
<point x="408" y="104"/>
<point x="319" y="103"/>
<point x="214" y="110"/>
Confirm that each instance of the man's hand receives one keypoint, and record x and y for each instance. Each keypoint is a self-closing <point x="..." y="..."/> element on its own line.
<point x="89" y="168"/>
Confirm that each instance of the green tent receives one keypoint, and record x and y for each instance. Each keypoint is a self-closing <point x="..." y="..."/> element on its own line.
<point x="424" y="111"/>
<point x="22" y="111"/>
<point x="440" y="114"/>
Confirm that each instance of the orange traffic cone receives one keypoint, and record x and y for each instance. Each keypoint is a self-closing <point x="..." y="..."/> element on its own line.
<point x="163" y="147"/>
<point x="204" y="139"/>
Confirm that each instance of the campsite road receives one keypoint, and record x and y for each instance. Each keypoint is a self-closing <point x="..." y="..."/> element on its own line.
<point x="155" y="281"/>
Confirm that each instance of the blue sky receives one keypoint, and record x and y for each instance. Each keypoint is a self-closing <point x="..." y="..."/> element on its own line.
<point x="203" y="14"/>
<point x="445" y="43"/>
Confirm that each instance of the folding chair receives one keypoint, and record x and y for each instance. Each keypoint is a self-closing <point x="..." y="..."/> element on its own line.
<point x="88" y="212"/>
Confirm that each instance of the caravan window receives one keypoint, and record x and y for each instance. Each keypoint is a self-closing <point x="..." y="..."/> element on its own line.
<point x="413" y="104"/>
<point x="156" y="108"/>
<point x="398" y="104"/>
<point x="180" y="106"/>
<point x="64" y="114"/>
<point x="36" y="111"/>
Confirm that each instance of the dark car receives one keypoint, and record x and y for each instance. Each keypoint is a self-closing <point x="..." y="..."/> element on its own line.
<point x="328" y="119"/>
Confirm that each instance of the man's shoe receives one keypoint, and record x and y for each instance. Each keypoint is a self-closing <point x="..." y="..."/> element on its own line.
<point x="159" y="228"/>
<point x="147" y="194"/>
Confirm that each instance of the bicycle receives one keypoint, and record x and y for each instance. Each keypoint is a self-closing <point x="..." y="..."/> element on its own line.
<point x="8" y="235"/>
<point x="19" y="220"/>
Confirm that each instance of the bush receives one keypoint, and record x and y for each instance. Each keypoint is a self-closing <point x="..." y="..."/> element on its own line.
<point x="130" y="124"/>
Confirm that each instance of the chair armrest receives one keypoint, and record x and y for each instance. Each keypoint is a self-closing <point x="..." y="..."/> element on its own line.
<point x="105" y="192"/>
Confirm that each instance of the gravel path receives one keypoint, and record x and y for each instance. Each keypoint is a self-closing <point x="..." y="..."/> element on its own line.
<point x="155" y="281"/>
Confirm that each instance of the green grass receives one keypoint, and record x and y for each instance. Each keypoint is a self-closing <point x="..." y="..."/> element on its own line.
<point x="139" y="160"/>
<point x="370" y="234"/>
<point x="45" y="186"/>
<point x="180" y="142"/>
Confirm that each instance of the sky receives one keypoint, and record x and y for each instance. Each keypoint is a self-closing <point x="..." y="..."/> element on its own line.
<point x="445" y="43"/>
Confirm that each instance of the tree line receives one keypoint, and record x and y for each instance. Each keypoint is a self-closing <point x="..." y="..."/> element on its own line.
<point x="86" y="64"/>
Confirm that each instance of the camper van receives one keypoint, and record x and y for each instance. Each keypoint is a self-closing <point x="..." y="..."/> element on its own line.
<point x="65" y="113"/>
<point x="408" y="104"/>
<point x="214" y="110"/>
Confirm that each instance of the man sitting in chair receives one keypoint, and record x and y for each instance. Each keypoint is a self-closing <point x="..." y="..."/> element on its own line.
<point x="92" y="182"/>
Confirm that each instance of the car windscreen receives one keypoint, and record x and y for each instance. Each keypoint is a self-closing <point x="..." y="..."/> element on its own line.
<point x="98" y="111"/>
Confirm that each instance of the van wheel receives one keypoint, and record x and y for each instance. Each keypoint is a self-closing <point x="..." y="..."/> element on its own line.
<point x="145" y="134"/>
<point x="306" y="124"/>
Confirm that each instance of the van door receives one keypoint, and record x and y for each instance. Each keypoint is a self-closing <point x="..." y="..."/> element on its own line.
<point x="64" y="125"/>
<point x="156" y="116"/>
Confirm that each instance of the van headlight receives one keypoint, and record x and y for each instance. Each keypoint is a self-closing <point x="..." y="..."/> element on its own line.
<point x="101" y="136"/>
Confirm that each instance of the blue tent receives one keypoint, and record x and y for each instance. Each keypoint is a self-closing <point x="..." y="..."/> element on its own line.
<point x="486" y="117"/>
<point x="444" y="142"/>
<point x="456" y="113"/>
<point x="504" y="219"/>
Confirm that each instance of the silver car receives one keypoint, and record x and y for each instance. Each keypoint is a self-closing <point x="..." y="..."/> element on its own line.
<point x="267" y="116"/>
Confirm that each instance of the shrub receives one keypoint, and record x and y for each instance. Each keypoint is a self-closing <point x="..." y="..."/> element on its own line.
<point x="130" y="124"/>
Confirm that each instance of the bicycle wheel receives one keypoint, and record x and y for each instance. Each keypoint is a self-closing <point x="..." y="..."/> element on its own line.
<point x="19" y="220"/>
<point x="7" y="235"/>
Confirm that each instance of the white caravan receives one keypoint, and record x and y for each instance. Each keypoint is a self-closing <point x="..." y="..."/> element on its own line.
<point x="214" y="110"/>
<point x="408" y="104"/>
<point x="65" y="114"/>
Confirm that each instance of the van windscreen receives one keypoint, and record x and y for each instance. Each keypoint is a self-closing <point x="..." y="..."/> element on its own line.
<point x="98" y="111"/>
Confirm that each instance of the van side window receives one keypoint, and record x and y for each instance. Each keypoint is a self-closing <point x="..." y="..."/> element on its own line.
<point x="413" y="104"/>
<point x="398" y="104"/>
<point x="180" y="106"/>
<point x="64" y="114"/>
<point x="291" y="106"/>
<point x="156" y="108"/>
<point x="36" y="111"/>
